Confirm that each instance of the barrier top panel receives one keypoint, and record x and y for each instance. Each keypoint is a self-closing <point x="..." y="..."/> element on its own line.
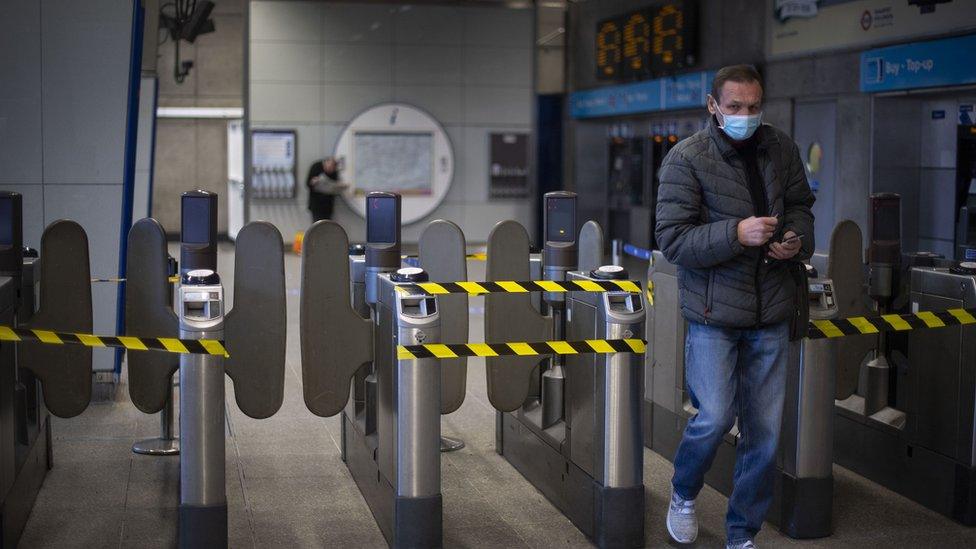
<point x="510" y="317"/>
<point x="255" y="330"/>
<point x="148" y="313"/>
<point x="442" y="255"/>
<point x="591" y="246"/>
<point x="65" y="305"/>
<point x="335" y="340"/>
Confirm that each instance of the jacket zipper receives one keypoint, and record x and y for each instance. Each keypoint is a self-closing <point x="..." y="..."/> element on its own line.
<point x="759" y="260"/>
<point x="758" y="290"/>
<point x="709" y="289"/>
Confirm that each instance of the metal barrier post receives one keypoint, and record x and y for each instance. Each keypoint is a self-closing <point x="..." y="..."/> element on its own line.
<point x="451" y="444"/>
<point x="166" y="444"/>
<point x="415" y="386"/>
<point x="560" y="256"/>
<point x="203" y="497"/>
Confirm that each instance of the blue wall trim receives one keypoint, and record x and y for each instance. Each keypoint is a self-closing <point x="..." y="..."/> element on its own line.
<point x="684" y="91"/>
<point x="947" y="62"/>
<point x="129" y="173"/>
<point x="152" y="148"/>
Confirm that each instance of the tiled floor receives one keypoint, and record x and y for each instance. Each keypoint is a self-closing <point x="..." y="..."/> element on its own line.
<point x="287" y="487"/>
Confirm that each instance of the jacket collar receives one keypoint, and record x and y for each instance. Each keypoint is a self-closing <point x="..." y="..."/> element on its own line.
<point x="765" y="138"/>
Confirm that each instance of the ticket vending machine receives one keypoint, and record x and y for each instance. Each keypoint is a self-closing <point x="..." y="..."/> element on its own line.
<point x="632" y="182"/>
<point x="629" y="196"/>
<point x="660" y="144"/>
<point x="966" y="194"/>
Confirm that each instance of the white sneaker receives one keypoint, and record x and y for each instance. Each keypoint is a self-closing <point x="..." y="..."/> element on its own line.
<point x="682" y="520"/>
<point x="747" y="544"/>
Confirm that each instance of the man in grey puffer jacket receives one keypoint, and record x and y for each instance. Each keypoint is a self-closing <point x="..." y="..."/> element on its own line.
<point x="733" y="211"/>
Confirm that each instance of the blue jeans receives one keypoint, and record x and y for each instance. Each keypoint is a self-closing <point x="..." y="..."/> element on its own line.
<point x="734" y="373"/>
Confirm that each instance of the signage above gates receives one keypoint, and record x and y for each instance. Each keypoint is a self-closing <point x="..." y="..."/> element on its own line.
<point x="802" y="27"/>
<point x="919" y="65"/>
<point x="684" y="91"/>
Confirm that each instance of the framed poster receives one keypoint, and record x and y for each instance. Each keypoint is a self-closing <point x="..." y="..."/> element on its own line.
<point x="407" y="165"/>
<point x="273" y="154"/>
<point x="399" y="148"/>
<point x="509" y="165"/>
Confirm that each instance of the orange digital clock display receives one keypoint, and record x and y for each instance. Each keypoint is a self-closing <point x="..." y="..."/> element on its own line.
<point x="655" y="40"/>
<point x="637" y="43"/>
<point x="608" y="46"/>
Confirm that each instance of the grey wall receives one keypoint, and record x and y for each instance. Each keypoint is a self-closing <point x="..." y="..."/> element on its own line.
<point x="141" y="199"/>
<point x="550" y="59"/>
<point x="830" y="77"/>
<point x="63" y="102"/>
<point x="937" y="172"/>
<point x="316" y="65"/>
<point x="192" y="153"/>
<point x="915" y="156"/>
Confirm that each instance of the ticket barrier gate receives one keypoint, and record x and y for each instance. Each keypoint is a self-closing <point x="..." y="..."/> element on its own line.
<point x="254" y="334"/>
<point x="442" y="257"/>
<point x="802" y="505"/>
<point x="941" y="427"/>
<point x="36" y="379"/>
<point x="572" y="428"/>
<point x="805" y="487"/>
<point x="905" y="404"/>
<point x="879" y="403"/>
<point x="390" y="408"/>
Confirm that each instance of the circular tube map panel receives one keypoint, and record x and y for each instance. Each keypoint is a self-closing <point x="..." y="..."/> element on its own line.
<point x="396" y="148"/>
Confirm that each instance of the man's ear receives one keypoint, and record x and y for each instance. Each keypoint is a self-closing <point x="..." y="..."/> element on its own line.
<point x="710" y="103"/>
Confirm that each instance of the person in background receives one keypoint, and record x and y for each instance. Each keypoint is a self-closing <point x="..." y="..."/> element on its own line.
<point x="733" y="213"/>
<point x="323" y="186"/>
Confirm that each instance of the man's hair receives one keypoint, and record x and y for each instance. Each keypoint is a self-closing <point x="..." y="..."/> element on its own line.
<point x="734" y="73"/>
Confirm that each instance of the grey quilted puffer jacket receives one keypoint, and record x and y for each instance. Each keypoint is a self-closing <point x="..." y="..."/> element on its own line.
<point x="703" y="194"/>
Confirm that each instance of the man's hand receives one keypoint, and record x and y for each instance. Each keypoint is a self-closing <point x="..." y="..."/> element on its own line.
<point x="755" y="231"/>
<point x="778" y="250"/>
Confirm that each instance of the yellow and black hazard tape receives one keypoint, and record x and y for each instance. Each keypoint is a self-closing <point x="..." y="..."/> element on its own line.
<point x="172" y="279"/>
<point x="131" y="343"/>
<point x="859" y="325"/>
<point x="541" y="348"/>
<point x="520" y="287"/>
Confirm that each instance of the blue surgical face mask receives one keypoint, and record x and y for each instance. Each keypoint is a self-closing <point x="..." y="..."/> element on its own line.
<point x="739" y="127"/>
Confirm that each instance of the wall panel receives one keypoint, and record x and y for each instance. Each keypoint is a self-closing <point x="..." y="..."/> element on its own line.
<point x="469" y="67"/>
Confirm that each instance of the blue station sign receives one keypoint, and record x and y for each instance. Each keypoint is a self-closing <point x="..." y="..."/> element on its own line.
<point x="947" y="62"/>
<point x="685" y="91"/>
